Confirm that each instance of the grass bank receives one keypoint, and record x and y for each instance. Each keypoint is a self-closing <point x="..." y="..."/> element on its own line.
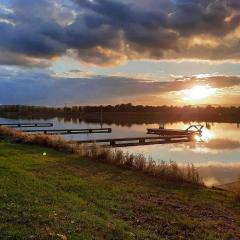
<point x="65" y="196"/>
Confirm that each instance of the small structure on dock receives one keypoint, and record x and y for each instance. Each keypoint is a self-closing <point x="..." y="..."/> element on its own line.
<point x="191" y="130"/>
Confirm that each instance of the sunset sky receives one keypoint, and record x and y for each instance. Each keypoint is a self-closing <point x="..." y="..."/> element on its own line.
<point x="155" y="52"/>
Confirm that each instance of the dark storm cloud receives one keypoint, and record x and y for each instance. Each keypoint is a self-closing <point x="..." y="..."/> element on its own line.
<point x="201" y="16"/>
<point x="235" y="4"/>
<point x="108" y="32"/>
<point x="10" y="58"/>
<point x="31" y="43"/>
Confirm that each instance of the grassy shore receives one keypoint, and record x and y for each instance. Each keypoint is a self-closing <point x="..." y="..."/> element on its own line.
<point x="64" y="196"/>
<point x="164" y="170"/>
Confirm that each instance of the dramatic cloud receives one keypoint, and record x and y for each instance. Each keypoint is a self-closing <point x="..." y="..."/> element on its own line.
<point x="211" y="81"/>
<point x="78" y="87"/>
<point x="108" y="32"/>
<point x="10" y="58"/>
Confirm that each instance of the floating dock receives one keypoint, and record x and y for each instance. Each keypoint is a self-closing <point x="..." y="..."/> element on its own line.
<point x="69" y="131"/>
<point x="29" y="125"/>
<point x="191" y="130"/>
<point x="138" y="141"/>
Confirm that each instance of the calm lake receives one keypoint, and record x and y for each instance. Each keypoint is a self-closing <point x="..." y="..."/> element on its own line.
<point x="217" y="158"/>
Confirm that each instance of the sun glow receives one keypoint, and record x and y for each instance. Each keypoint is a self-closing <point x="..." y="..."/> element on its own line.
<point x="198" y="92"/>
<point x="206" y="136"/>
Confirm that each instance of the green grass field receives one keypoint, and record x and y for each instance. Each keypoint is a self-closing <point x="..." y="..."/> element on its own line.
<point x="60" y="196"/>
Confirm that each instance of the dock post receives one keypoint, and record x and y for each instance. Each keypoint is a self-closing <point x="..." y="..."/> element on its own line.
<point x="167" y="139"/>
<point x="112" y="143"/>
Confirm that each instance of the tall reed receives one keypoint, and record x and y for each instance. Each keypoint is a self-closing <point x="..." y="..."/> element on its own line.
<point x="237" y="196"/>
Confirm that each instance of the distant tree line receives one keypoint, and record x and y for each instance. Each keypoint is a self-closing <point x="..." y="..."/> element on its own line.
<point x="208" y="113"/>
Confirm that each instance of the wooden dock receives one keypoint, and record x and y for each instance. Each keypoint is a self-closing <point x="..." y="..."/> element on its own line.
<point x="139" y="141"/>
<point x="191" y="130"/>
<point x="29" y="125"/>
<point x="69" y="131"/>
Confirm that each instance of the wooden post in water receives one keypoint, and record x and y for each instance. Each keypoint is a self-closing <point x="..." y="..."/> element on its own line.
<point x="162" y="125"/>
<point x="112" y="142"/>
<point x="101" y="117"/>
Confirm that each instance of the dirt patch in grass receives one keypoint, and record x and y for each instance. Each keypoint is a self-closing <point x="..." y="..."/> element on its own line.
<point x="204" y="217"/>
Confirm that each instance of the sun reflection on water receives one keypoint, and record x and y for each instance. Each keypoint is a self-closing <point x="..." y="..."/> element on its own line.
<point x="207" y="135"/>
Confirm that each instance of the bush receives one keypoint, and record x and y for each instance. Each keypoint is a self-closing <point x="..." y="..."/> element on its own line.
<point x="140" y="162"/>
<point x="129" y="161"/>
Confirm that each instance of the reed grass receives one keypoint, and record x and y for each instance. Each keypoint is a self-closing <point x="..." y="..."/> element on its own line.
<point x="161" y="169"/>
<point x="237" y="196"/>
<point x="237" y="193"/>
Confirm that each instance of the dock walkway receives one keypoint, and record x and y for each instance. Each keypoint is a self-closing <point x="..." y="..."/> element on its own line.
<point x="69" y="131"/>
<point x="138" y="141"/>
<point x="26" y="125"/>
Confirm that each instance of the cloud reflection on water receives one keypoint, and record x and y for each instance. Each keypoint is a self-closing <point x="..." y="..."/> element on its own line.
<point x="219" y="173"/>
<point x="222" y="144"/>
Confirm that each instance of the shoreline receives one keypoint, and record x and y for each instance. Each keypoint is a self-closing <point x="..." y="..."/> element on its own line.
<point x="230" y="187"/>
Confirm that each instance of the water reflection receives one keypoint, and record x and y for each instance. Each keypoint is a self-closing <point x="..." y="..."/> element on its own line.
<point x="217" y="174"/>
<point x="217" y="157"/>
<point x="222" y="144"/>
<point x="207" y="135"/>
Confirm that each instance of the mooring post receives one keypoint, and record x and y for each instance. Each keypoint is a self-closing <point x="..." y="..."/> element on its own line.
<point x="112" y="143"/>
<point x="167" y="138"/>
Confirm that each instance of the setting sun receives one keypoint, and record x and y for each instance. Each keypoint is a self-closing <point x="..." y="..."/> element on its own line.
<point x="198" y="92"/>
